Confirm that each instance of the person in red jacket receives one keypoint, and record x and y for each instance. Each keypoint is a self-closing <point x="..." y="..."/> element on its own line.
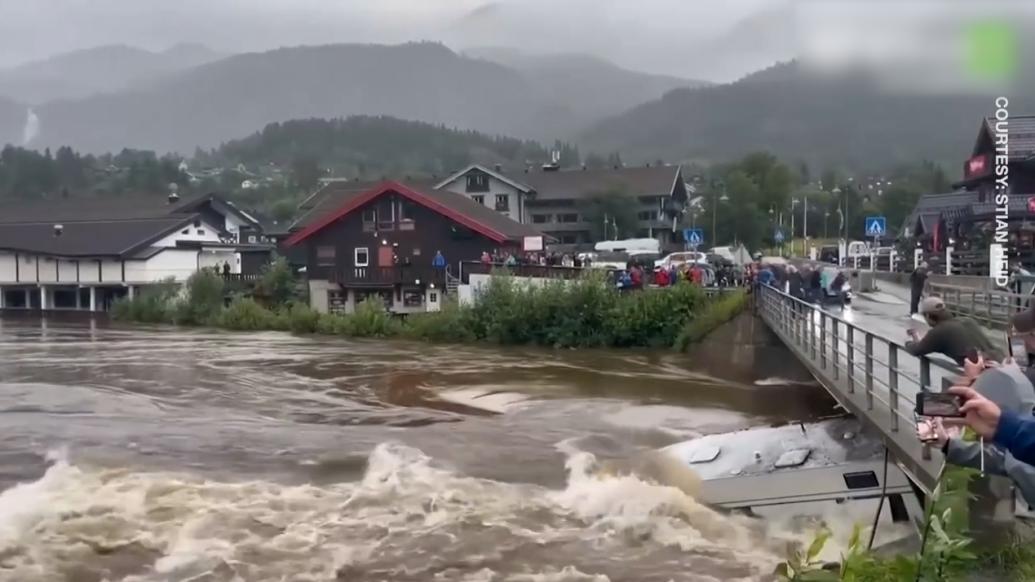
<point x="696" y="275"/>
<point x="661" y="277"/>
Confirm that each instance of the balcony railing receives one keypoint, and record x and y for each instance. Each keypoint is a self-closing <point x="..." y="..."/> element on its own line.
<point x="395" y="275"/>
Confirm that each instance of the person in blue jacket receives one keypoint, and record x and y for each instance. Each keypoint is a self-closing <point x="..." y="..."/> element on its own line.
<point x="766" y="276"/>
<point x="1011" y="430"/>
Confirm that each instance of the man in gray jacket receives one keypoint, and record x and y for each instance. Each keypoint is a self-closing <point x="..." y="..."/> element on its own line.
<point x="1008" y="387"/>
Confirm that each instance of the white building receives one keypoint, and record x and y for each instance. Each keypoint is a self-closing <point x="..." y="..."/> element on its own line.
<point x="84" y="254"/>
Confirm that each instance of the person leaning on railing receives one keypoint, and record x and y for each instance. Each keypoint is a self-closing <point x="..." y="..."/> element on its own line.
<point x="1010" y="390"/>
<point x="956" y="337"/>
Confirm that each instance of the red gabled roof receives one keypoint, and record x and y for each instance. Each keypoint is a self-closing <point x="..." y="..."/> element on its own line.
<point x="432" y="202"/>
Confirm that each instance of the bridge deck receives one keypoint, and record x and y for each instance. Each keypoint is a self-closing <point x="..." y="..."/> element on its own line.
<point x="858" y="356"/>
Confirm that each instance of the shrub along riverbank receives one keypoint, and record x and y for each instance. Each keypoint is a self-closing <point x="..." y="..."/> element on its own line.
<point x="583" y="313"/>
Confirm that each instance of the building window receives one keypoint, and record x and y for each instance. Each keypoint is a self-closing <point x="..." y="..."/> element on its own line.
<point x="433" y="297"/>
<point x="567" y="218"/>
<point x="647" y="215"/>
<point x="325" y="256"/>
<point x="479" y="198"/>
<point x="201" y="232"/>
<point x="502" y="202"/>
<point x="416" y="251"/>
<point x="362" y="257"/>
<point x="251" y="238"/>
<point x="542" y="218"/>
<point x="185" y="231"/>
<point x="477" y="182"/>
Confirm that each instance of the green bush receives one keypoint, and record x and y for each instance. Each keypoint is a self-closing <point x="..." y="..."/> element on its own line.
<point x="246" y="315"/>
<point x="277" y="286"/>
<point x="370" y="320"/>
<point x="154" y="304"/>
<point x="585" y="313"/>
<point x="654" y="317"/>
<point x="452" y="324"/>
<point x="706" y="320"/>
<point x="300" y="318"/>
<point x="203" y="300"/>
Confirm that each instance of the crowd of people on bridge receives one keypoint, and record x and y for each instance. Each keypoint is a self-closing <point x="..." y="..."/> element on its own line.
<point x="996" y="389"/>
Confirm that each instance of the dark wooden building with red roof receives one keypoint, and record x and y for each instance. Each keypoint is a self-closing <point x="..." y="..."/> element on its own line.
<point x="383" y="242"/>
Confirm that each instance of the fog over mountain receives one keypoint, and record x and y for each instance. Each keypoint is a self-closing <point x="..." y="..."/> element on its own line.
<point x="656" y="36"/>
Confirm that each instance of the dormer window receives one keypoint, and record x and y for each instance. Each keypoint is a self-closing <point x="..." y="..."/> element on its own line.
<point x="477" y="182"/>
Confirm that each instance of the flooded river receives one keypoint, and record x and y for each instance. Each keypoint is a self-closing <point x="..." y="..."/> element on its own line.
<point x="146" y="455"/>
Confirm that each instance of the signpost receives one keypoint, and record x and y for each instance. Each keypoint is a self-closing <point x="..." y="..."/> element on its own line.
<point x="876" y="226"/>
<point x="693" y="237"/>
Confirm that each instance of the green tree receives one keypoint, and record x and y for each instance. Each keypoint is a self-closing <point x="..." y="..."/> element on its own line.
<point x="277" y="285"/>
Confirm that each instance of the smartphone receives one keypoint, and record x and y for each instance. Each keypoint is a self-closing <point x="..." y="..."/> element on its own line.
<point x="938" y="404"/>
<point x="1018" y="351"/>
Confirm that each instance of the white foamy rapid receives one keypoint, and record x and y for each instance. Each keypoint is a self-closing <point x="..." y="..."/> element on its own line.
<point x="407" y="519"/>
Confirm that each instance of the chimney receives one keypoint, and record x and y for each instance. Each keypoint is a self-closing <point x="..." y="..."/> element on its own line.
<point x="498" y="168"/>
<point x="58" y="229"/>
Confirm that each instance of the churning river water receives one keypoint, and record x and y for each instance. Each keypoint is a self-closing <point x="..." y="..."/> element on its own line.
<point x="146" y="455"/>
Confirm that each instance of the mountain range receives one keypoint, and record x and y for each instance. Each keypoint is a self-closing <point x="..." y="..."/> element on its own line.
<point x="847" y="120"/>
<point x="103" y="69"/>
<point x="207" y="104"/>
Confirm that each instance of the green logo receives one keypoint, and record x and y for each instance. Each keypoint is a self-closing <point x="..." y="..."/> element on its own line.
<point x="992" y="49"/>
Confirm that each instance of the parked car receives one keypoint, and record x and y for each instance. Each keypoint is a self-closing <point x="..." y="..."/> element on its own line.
<point x="681" y="258"/>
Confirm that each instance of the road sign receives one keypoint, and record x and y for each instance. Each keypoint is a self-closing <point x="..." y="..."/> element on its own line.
<point x="778" y="236"/>
<point x="693" y="236"/>
<point x="876" y="226"/>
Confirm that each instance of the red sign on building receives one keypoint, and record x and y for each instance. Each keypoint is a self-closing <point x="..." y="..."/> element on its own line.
<point x="976" y="166"/>
<point x="1031" y="205"/>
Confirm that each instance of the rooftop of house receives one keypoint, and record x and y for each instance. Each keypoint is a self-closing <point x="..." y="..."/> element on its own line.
<point x="122" y="238"/>
<point x="1021" y="133"/>
<point x="133" y="207"/>
<point x="457" y="207"/>
<point x="334" y="194"/>
<point x="582" y="183"/>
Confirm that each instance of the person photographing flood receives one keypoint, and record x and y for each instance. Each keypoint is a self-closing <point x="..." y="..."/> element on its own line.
<point x="1008" y="387"/>
<point x="949" y="335"/>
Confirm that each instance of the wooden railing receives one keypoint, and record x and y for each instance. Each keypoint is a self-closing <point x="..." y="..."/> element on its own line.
<point x="398" y="274"/>
<point x="468" y="268"/>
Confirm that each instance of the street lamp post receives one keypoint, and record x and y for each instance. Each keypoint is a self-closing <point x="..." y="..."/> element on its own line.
<point x="826" y="216"/>
<point x="716" y="198"/>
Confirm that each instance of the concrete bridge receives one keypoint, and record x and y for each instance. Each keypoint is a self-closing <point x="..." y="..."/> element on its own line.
<point x="858" y="355"/>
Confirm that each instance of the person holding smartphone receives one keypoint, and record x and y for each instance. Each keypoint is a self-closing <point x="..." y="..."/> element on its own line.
<point x="1010" y="390"/>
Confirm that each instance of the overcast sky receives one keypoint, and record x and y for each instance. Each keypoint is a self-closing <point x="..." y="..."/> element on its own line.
<point x="643" y="34"/>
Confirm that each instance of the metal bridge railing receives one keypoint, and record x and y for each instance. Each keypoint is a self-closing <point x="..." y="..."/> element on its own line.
<point x="991" y="309"/>
<point x="871" y="376"/>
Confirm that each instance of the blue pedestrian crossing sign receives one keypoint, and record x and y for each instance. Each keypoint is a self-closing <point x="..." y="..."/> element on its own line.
<point x="876" y="226"/>
<point x="693" y="236"/>
<point x="778" y="236"/>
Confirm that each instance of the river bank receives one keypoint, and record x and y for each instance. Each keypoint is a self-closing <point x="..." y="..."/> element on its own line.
<point x="580" y="314"/>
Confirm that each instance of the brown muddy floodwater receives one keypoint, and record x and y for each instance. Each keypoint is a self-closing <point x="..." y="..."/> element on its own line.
<point x="146" y="455"/>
